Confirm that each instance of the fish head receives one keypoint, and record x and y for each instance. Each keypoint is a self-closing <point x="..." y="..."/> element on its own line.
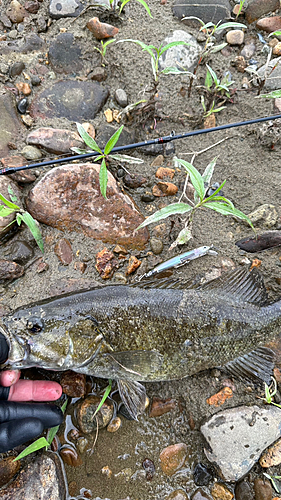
<point x="51" y="338"/>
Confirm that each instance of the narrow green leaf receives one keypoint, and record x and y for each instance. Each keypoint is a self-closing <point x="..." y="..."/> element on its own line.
<point x="113" y="140"/>
<point x="230" y="25"/>
<point x="215" y="193"/>
<point x="213" y="75"/>
<point x="217" y="110"/>
<point x="12" y="194"/>
<point x="105" y="396"/>
<point x="275" y="33"/>
<point x="80" y="151"/>
<point x="19" y="219"/>
<point x="37" y="445"/>
<point x="103" y="178"/>
<point x="33" y="226"/>
<point x="127" y="159"/>
<point x="9" y="203"/>
<point x="217" y="48"/>
<point x="272" y="95"/>
<point x="145" y="47"/>
<point x="105" y="44"/>
<point x="4" y="211"/>
<point x="52" y="432"/>
<point x="87" y="138"/>
<point x="144" y="4"/>
<point x="208" y="173"/>
<point x="172" y="209"/>
<point x="207" y="26"/>
<point x="225" y="209"/>
<point x="173" y="44"/>
<point x="195" y="177"/>
<point x="208" y="81"/>
<point x="193" y="17"/>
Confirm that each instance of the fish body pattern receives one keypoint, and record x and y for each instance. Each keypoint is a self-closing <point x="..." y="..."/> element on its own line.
<point x="148" y="333"/>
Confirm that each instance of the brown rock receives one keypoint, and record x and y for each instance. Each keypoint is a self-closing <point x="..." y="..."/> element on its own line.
<point x="134" y="181"/>
<point x="269" y="24"/>
<point x="68" y="285"/>
<point x="86" y="410"/>
<point x="172" y="458"/>
<point x="164" y="189"/>
<point x="8" y="469"/>
<point x="98" y="74"/>
<point x="73" y="384"/>
<point x="158" y="161"/>
<point x="272" y="456"/>
<point x="22" y="176"/>
<point x="80" y="266"/>
<point x="134" y="263"/>
<point x="235" y="37"/>
<point x="32" y="6"/>
<point x="263" y="489"/>
<point x="16" y="12"/>
<point x="210" y="121"/>
<point x="70" y="456"/>
<point x="119" y="249"/>
<point x="201" y="495"/>
<point x="63" y="251"/>
<point x="90" y="129"/>
<point x="177" y="495"/>
<point x="101" y="30"/>
<point x="165" y="172"/>
<point x="273" y="42"/>
<point x="42" y="266"/>
<point x="161" y="406"/>
<point x="277" y="50"/>
<point x="24" y="88"/>
<point x="10" y="270"/>
<point x="219" y="398"/>
<point x="114" y="425"/>
<point x="106" y="263"/>
<point x="55" y="140"/>
<point x="69" y="198"/>
<point x="258" y="8"/>
<point x="221" y="492"/>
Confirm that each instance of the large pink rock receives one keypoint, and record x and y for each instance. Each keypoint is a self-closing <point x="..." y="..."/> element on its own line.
<point x="69" y="198"/>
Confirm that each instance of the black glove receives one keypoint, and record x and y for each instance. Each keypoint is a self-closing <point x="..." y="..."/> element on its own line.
<point x="21" y="422"/>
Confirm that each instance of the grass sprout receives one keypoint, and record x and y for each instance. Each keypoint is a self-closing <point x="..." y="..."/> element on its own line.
<point x="103" y="48"/>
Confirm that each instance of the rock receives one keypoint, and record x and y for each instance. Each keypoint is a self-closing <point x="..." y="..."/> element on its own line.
<point x="41" y="478"/>
<point x="272" y="456"/>
<point x="164" y="189"/>
<point x="16" y="68"/>
<point x="114" y="425"/>
<point x="80" y="266"/>
<point x="70" y="456"/>
<point x="101" y="30"/>
<point x="265" y="215"/>
<point x="161" y="406"/>
<point x="106" y="131"/>
<point x="269" y="24"/>
<point x="32" y="6"/>
<point x="163" y="172"/>
<point x="253" y="244"/>
<point x="134" y="181"/>
<point x="65" y="8"/>
<point x="243" y="491"/>
<point x="210" y="121"/>
<point x="55" y="140"/>
<point x="73" y="384"/>
<point x="182" y="57"/>
<point x="277" y="50"/>
<point x="149" y="468"/>
<point x="206" y="10"/>
<point x="106" y="263"/>
<point x="5" y="20"/>
<point x="219" y="398"/>
<point x="8" y="468"/>
<point x="238" y="436"/>
<point x="16" y="12"/>
<point x="75" y="100"/>
<point x="85" y="414"/>
<point x="10" y="127"/>
<point x="263" y="489"/>
<point x="22" y="106"/>
<point x="240" y="64"/>
<point x="65" y="54"/>
<point x="258" y="8"/>
<point x="63" y="251"/>
<point x="31" y="153"/>
<point x="99" y="74"/>
<point x="133" y="264"/>
<point x="158" y="161"/>
<point x="177" y="495"/>
<point x="235" y="37"/>
<point x="202" y="475"/>
<point x="221" y="492"/>
<point x="24" y="88"/>
<point x="10" y="271"/>
<point x="56" y="201"/>
<point x="172" y="458"/>
<point x="248" y="50"/>
<point x="20" y="252"/>
<point x="17" y="161"/>
<point x="200" y="495"/>
<point x="121" y="97"/>
<point x="156" y="246"/>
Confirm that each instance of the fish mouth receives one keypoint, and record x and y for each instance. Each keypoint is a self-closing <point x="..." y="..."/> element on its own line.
<point x="17" y="352"/>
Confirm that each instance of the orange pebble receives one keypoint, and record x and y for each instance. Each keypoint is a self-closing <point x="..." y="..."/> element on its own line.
<point x="221" y="396"/>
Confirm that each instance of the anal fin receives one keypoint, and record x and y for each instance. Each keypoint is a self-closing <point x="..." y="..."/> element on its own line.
<point x="257" y="365"/>
<point x="133" y="395"/>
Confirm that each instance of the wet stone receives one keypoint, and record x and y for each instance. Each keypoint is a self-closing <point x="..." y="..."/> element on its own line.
<point x="156" y="245"/>
<point x="73" y="384"/>
<point x="20" y="252"/>
<point x="65" y="8"/>
<point x="70" y="456"/>
<point x="65" y="54"/>
<point x="17" y="68"/>
<point x="182" y="57"/>
<point x="8" y="469"/>
<point x="134" y="181"/>
<point x="258" y="8"/>
<point x="243" y="491"/>
<point x="221" y="492"/>
<point x="63" y="251"/>
<point x="177" y="495"/>
<point x="55" y="140"/>
<point x="22" y="106"/>
<point x="10" y="270"/>
<point x="202" y="475"/>
<point x="85" y="414"/>
<point x="161" y="406"/>
<point x="121" y="97"/>
<point x="263" y="489"/>
<point x="172" y="458"/>
<point x="75" y="100"/>
<point x="133" y="264"/>
<point x="272" y="456"/>
<point x="149" y="468"/>
<point x="114" y="425"/>
<point x="200" y="495"/>
<point x="269" y="24"/>
<point x="207" y="10"/>
<point x="106" y="263"/>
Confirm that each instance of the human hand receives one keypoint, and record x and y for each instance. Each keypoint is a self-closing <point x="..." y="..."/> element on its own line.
<point x="21" y="421"/>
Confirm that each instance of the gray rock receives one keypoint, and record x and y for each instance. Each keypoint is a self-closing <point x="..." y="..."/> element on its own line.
<point x="207" y="10"/>
<point x="121" y="97"/>
<point x="248" y="51"/>
<point x="258" y="8"/>
<point x="182" y="57"/>
<point x="106" y="131"/>
<point x="265" y="215"/>
<point x="70" y="99"/>
<point x="17" y="68"/>
<point x="31" y="153"/>
<point x="9" y="123"/>
<point x="65" y="54"/>
<point x="238" y="436"/>
<point x="273" y="82"/>
<point x="20" y="252"/>
<point x="65" y="8"/>
<point x="41" y="479"/>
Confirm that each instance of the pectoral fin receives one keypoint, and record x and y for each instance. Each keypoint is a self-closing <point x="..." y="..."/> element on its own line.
<point x="133" y="395"/>
<point x="256" y="365"/>
<point x="137" y="365"/>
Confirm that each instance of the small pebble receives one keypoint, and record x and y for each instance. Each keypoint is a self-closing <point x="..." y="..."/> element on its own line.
<point x="32" y="6"/>
<point x="63" y="251"/>
<point x="210" y="121"/>
<point x="269" y="24"/>
<point x="22" y="106"/>
<point x="200" y="495"/>
<point x="133" y="264"/>
<point x="114" y="425"/>
<point x="203" y="475"/>
<point x="73" y="384"/>
<point x="156" y="245"/>
<point x="147" y="197"/>
<point x="219" y="398"/>
<point x="16" y="12"/>
<point x="20" y="252"/>
<point x="121" y="97"/>
<point x="70" y="456"/>
<point x="101" y="30"/>
<point x="177" y="495"/>
<point x="172" y="458"/>
<point x="82" y="444"/>
<point x="35" y="80"/>
<point x="134" y="181"/>
<point x="277" y="49"/>
<point x="17" y="68"/>
<point x="24" y="88"/>
<point x="31" y="153"/>
<point x="164" y="189"/>
<point x="240" y="64"/>
<point x="161" y="406"/>
<point x="263" y="489"/>
<point x="158" y="161"/>
<point x="85" y="414"/>
<point x="266" y="215"/>
<point x="248" y="50"/>
<point x="106" y="263"/>
<point x="149" y="468"/>
<point x="165" y="172"/>
<point x="272" y="456"/>
<point x="235" y="37"/>
<point x="80" y="266"/>
<point x="98" y="74"/>
<point x="221" y="492"/>
<point x="106" y="471"/>
<point x="243" y="491"/>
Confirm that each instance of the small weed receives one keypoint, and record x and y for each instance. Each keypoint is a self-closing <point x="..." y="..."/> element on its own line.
<point x="142" y="2"/>
<point x="103" y="48"/>
<point x="42" y="442"/>
<point x="240" y="8"/>
<point x="274" y="484"/>
<point x="270" y="394"/>
<point x="21" y="216"/>
<point x="212" y="108"/>
<point x="103" y="155"/>
<point x="220" y="86"/>
<point x="201" y="184"/>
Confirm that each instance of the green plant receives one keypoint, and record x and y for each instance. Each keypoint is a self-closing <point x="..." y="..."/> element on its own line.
<point x="21" y="216"/>
<point x="103" y="155"/>
<point x="142" y="2"/>
<point x="42" y="442"/>
<point x="240" y="8"/>
<point x="103" y="48"/>
<point x="220" y="86"/>
<point x="212" y="108"/>
<point x="272" y="479"/>
<point x="201" y="184"/>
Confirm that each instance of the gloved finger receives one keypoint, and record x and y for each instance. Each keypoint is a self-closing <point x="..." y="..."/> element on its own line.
<point x="49" y="414"/>
<point x="17" y="432"/>
<point x="9" y="377"/>
<point x="35" y="390"/>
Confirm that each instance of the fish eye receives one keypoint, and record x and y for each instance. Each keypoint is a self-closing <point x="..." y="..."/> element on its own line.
<point x="35" y="325"/>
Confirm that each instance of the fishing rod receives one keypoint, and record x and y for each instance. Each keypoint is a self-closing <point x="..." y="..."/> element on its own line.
<point x="160" y="140"/>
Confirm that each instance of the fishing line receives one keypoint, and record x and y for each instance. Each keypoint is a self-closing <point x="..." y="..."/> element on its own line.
<point x="160" y="140"/>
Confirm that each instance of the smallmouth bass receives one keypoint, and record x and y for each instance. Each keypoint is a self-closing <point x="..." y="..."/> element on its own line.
<point x="146" y="333"/>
